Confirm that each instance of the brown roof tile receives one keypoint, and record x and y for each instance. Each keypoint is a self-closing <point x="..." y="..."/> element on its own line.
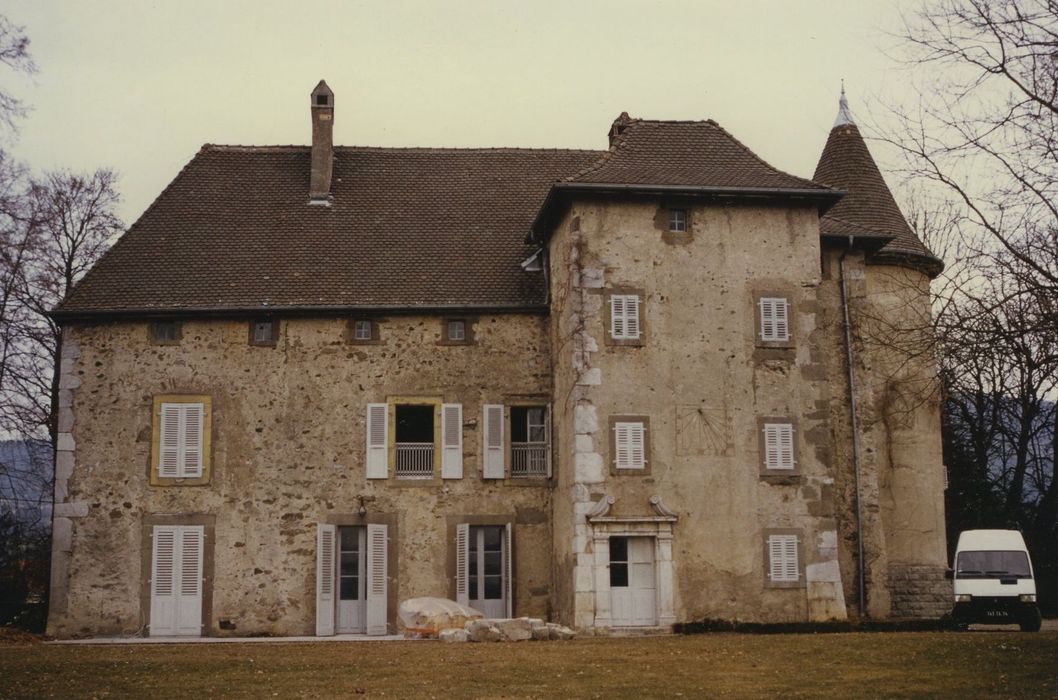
<point x="425" y="228"/>
<point x="685" y="153"/>
<point x="868" y="207"/>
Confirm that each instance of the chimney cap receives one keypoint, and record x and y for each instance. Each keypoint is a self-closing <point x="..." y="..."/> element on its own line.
<point x="323" y="90"/>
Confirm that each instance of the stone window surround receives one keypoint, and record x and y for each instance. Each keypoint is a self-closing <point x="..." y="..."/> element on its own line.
<point x="508" y="478"/>
<point x="777" y="475"/>
<point x="800" y="582"/>
<point x="611" y="441"/>
<point x="271" y="343"/>
<point x="390" y="520"/>
<point x="603" y="526"/>
<point x="208" y="522"/>
<point x="376" y="334"/>
<point x="791" y="316"/>
<point x="207" y="440"/>
<point x="608" y="338"/>
<point x="438" y="445"/>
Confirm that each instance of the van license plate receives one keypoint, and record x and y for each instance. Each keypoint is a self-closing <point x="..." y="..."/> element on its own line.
<point x="995" y="613"/>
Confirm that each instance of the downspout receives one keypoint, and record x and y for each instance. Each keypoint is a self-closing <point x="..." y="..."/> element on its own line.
<point x="855" y="427"/>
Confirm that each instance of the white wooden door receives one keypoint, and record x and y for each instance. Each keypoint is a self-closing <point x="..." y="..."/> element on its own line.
<point x="633" y="598"/>
<point x="176" y="580"/>
<point x="487" y="574"/>
<point x="352" y="580"/>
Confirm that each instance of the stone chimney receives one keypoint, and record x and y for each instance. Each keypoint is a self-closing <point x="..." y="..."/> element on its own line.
<point x="322" y="144"/>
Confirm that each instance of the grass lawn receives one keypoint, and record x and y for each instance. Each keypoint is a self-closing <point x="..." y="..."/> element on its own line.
<point x="996" y="664"/>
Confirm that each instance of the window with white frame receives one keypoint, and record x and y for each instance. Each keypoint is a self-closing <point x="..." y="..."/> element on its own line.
<point x="678" y="220"/>
<point x="779" y="446"/>
<point x="783" y="563"/>
<point x="362" y="329"/>
<point x="263" y="332"/>
<point x="774" y="319"/>
<point x="456" y="330"/>
<point x="630" y="445"/>
<point x="624" y="316"/>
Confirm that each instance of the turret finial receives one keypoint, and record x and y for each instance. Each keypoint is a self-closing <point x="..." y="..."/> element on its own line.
<point x="844" y="115"/>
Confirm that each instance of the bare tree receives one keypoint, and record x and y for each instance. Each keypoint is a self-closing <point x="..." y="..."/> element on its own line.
<point x="14" y="53"/>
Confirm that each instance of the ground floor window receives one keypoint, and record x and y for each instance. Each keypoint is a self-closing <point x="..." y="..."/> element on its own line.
<point x="483" y="563"/>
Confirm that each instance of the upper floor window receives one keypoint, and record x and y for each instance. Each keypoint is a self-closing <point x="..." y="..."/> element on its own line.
<point x="362" y="329"/>
<point x="181" y="440"/>
<point x="456" y="330"/>
<point x="263" y="332"/>
<point x="624" y="316"/>
<point x="629" y="443"/>
<point x="678" y="220"/>
<point x="530" y="452"/>
<point x="774" y="319"/>
<point x="779" y="447"/>
<point x="165" y="332"/>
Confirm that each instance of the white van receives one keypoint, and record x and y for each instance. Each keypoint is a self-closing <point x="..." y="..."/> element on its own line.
<point x="993" y="580"/>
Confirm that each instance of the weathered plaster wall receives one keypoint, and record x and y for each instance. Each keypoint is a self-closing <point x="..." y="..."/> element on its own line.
<point x="288" y="452"/>
<point x="704" y="382"/>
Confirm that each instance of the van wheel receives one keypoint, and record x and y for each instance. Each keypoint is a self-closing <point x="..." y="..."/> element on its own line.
<point x="1032" y="621"/>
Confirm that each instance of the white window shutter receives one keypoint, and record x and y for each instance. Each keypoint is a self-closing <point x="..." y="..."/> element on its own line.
<point x="617" y="316"/>
<point x="493" y="448"/>
<point x="452" y="441"/>
<point x="191" y="464"/>
<point x="783" y="566"/>
<point x="377" y="578"/>
<point x="774" y="319"/>
<point x="547" y="432"/>
<point x="508" y="571"/>
<point x="163" y="581"/>
<point x="632" y="317"/>
<point x="377" y="441"/>
<point x="326" y="542"/>
<point x="189" y="598"/>
<point x="779" y="446"/>
<point x="462" y="564"/>
<point x="629" y="445"/>
<point x="169" y="441"/>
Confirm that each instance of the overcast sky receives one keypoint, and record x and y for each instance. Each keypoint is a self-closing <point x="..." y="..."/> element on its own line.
<point x="139" y="86"/>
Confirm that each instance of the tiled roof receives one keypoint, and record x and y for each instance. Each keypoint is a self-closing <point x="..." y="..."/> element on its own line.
<point x="868" y="208"/>
<point x="407" y="228"/>
<point x="684" y="153"/>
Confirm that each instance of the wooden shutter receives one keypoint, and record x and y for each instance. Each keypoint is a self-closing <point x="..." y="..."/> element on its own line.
<point x="462" y="564"/>
<point x="169" y="441"/>
<point x="452" y="441"/>
<point x="782" y="559"/>
<point x="191" y="462"/>
<point x="163" y="581"/>
<point x="617" y="316"/>
<point x="377" y="441"/>
<point x="493" y="445"/>
<point x="778" y="446"/>
<point x="189" y="593"/>
<point x="377" y="584"/>
<point x="629" y="445"/>
<point x="326" y="541"/>
<point x="547" y="434"/>
<point x="508" y="571"/>
<point x="632" y="317"/>
<point x="774" y="319"/>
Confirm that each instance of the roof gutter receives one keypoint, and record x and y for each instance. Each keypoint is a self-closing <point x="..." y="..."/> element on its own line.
<point x="61" y="316"/>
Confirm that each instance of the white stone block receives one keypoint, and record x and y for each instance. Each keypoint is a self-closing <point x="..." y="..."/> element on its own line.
<point x="579" y="493"/>
<point x="587" y="468"/>
<point x="69" y="381"/>
<point x="65" y="398"/>
<point x="585" y="419"/>
<point x="62" y="534"/>
<point x="591" y="377"/>
<point x="70" y="350"/>
<point x="63" y="465"/>
<point x="588" y="343"/>
<point x="583" y="443"/>
<point x="65" y="442"/>
<point x="453" y="635"/>
<point x="71" y="510"/>
<point x="823" y="571"/>
<point x="65" y="420"/>
<point x="592" y="278"/>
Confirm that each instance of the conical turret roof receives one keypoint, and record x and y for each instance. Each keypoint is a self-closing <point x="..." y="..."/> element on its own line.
<point x="868" y="209"/>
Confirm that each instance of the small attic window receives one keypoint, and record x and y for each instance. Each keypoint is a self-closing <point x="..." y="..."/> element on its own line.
<point x="321" y="100"/>
<point x="678" y="220"/>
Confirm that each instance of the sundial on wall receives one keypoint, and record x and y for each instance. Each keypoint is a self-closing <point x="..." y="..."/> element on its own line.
<point x="702" y="430"/>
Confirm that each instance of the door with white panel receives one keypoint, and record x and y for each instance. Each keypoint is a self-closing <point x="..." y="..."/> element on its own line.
<point x="176" y="580"/>
<point x="633" y="597"/>
<point x="487" y="576"/>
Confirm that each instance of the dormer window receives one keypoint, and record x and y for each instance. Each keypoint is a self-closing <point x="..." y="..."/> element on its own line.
<point x="456" y="330"/>
<point x="263" y="332"/>
<point x="678" y="220"/>
<point x="362" y="330"/>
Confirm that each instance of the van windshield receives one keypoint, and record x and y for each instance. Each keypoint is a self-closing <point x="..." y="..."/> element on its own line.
<point x="992" y="564"/>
